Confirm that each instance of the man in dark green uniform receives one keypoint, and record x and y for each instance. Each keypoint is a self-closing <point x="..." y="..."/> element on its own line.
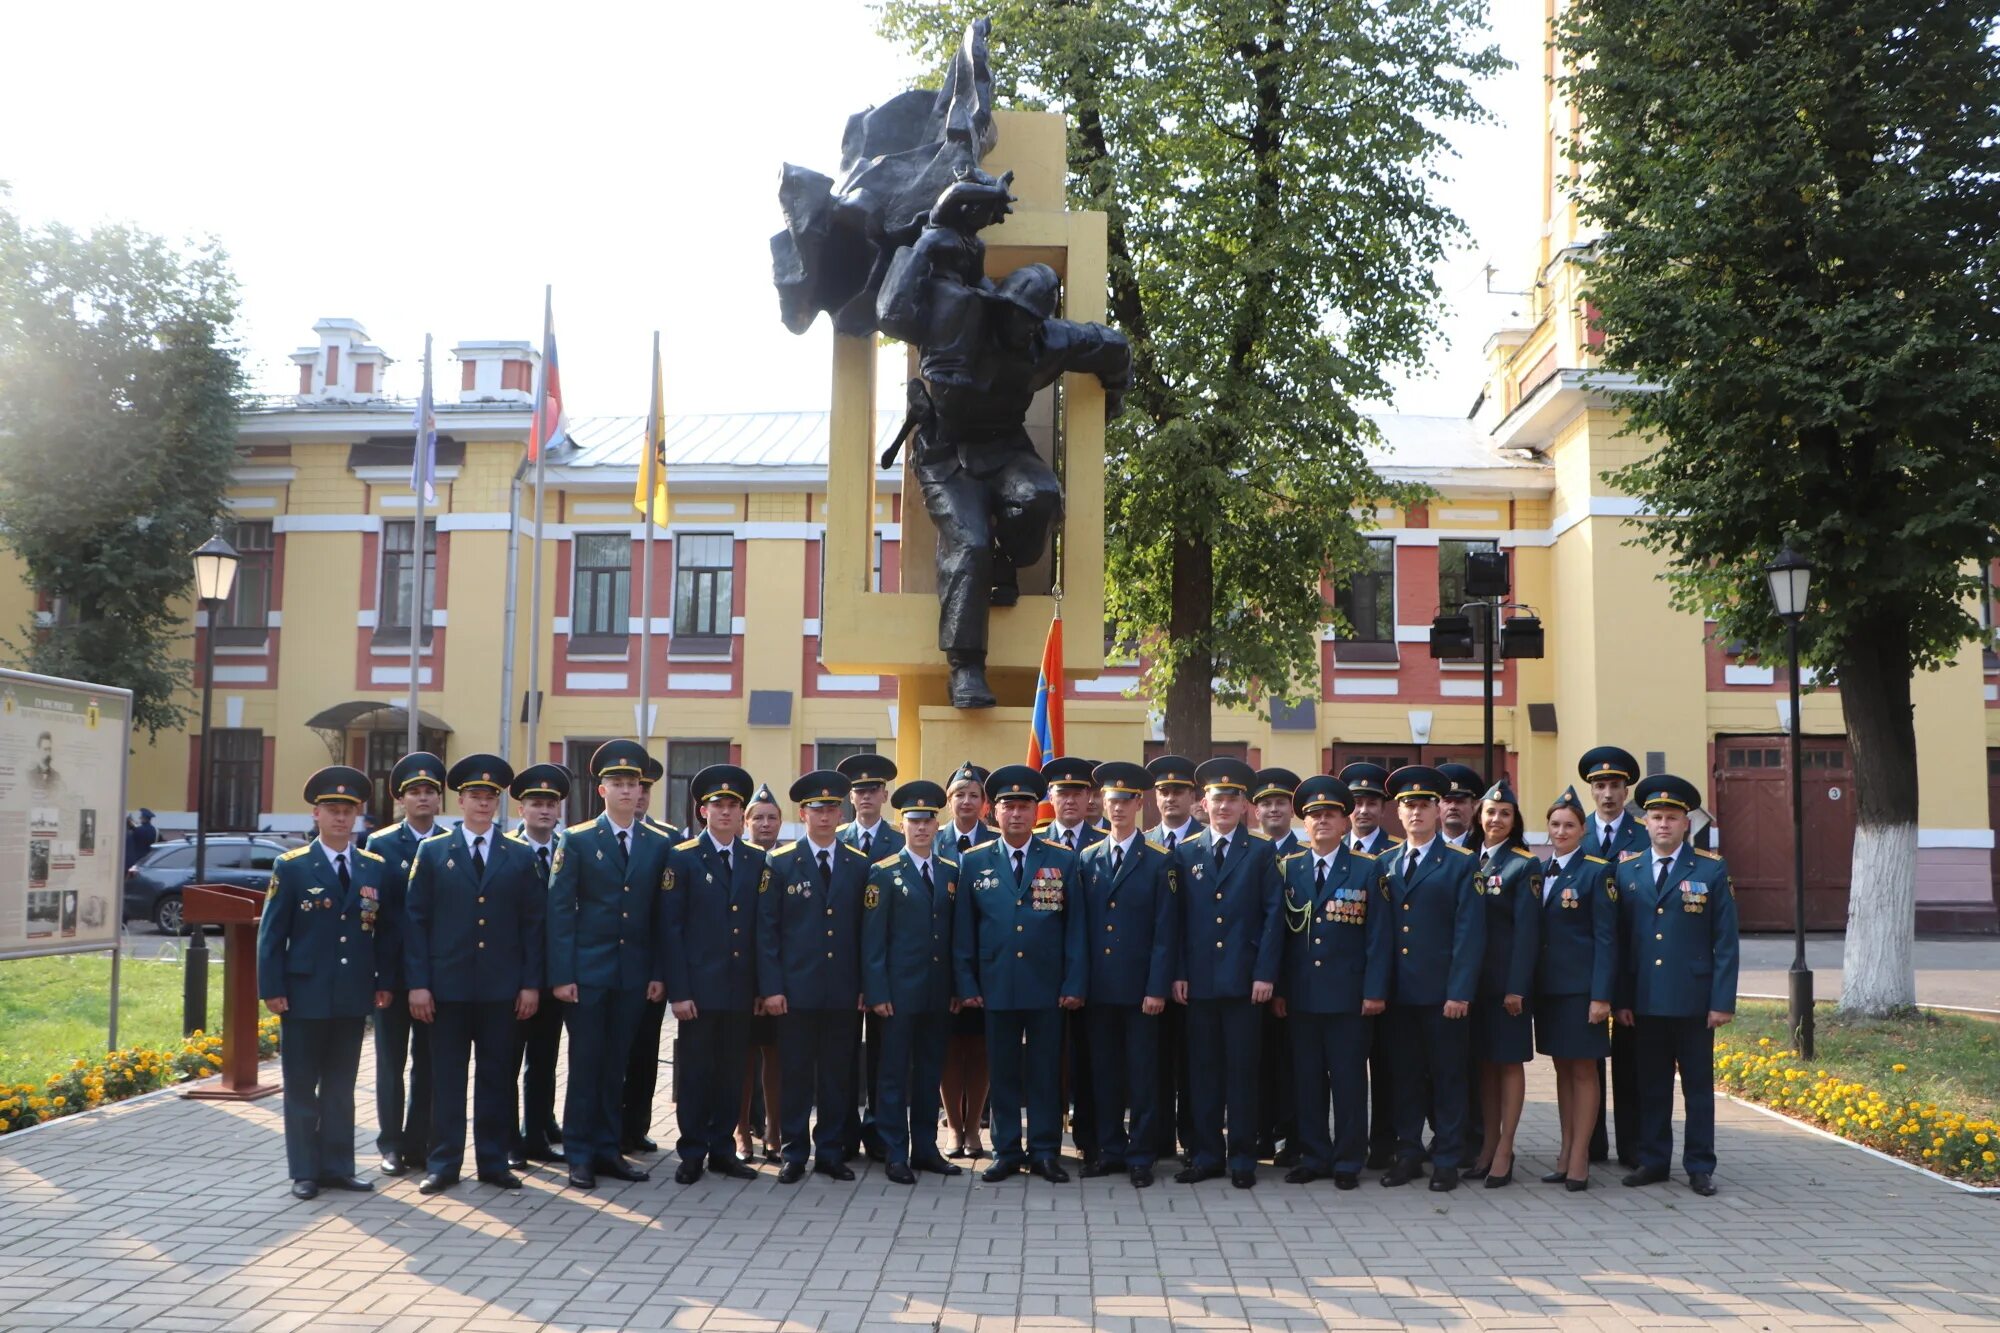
<point x="1611" y="831"/>
<point x="642" y="1067"/>
<point x="320" y="952"/>
<point x="404" y="1124"/>
<point x="540" y="791"/>
<point x="868" y="778"/>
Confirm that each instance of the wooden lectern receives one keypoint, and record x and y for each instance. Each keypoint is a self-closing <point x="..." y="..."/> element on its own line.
<point x="237" y="911"/>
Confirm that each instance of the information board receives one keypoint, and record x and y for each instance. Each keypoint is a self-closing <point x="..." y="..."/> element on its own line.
<point x="63" y="752"/>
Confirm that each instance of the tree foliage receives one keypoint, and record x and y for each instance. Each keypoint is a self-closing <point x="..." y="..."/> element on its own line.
<point x="119" y="394"/>
<point x="1269" y="172"/>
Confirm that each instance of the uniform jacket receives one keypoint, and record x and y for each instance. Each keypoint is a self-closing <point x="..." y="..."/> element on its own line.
<point x="1510" y="890"/>
<point x="1677" y="950"/>
<point x="1378" y="844"/>
<point x="1336" y="938"/>
<point x="1579" y="944"/>
<point x="708" y="928"/>
<point x="1285" y="846"/>
<point x="601" y="918"/>
<point x="888" y="840"/>
<point x="809" y="930"/>
<point x="324" y="951"/>
<point x="951" y="848"/>
<point x="1157" y="835"/>
<point x="397" y="844"/>
<point x="1018" y="943"/>
<point x="1087" y="835"/>
<point x="1232" y="921"/>
<point x="1131" y="922"/>
<point x="472" y="937"/>
<point x="520" y="839"/>
<point x="1437" y="927"/>
<point x="906" y="935"/>
<point x="1631" y="836"/>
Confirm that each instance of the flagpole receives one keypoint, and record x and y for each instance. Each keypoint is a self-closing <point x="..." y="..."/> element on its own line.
<point x="509" y="619"/>
<point x="651" y="482"/>
<point x="423" y="469"/>
<point x="541" y="447"/>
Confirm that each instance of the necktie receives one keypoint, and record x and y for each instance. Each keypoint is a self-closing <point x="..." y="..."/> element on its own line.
<point x="1221" y="852"/>
<point x="340" y="869"/>
<point x="1019" y="853"/>
<point x="1319" y="877"/>
<point x="867" y="843"/>
<point x="479" y="856"/>
<point x="1069" y="836"/>
<point x="1666" y="864"/>
<point x="929" y="883"/>
<point x="1117" y="859"/>
<point x="624" y="849"/>
<point x="1360" y="845"/>
<point x="1410" y="866"/>
<point x="1607" y="836"/>
<point x="825" y="869"/>
<point x="543" y="854"/>
<point x="723" y="852"/>
<point x="1171" y="839"/>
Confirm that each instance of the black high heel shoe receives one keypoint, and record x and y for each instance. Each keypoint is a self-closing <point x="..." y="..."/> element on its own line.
<point x="1554" y="1177"/>
<point x="1575" y="1186"/>
<point x="1505" y="1178"/>
<point x="1474" y="1173"/>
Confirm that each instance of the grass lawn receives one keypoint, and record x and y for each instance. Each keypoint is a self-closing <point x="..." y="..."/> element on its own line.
<point x="54" y="1010"/>
<point x="1926" y="1088"/>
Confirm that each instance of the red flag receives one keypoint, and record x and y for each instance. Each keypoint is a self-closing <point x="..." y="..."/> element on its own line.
<point x="1045" y="730"/>
<point x="550" y="426"/>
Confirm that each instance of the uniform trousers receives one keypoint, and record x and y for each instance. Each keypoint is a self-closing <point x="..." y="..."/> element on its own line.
<point x="708" y="1082"/>
<point x="1277" y="1099"/>
<point x="1431" y="1063"/>
<point x="1329" y="1054"/>
<point x="816" y="1051"/>
<point x="1664" y="1044"/>
<point x="1223" y="1043"/>
<point x="1081" y="1091"/>
<point x="1173" y="1116"/>
<point x="537" y="1046"/>
<point x="1621" y="1094"/>
<point x="863" y="1103"/>
<point x="1381" y="1095"/>
<point x="482" y="1031"/>
<point x="1125" y="1076"/>
<point x="601" y="1025"/>
<point x="320" y="1058"/>
<point x="907" y="1094"/>
<point x="405" y="1126"/>
<point x="1024" y="1066"/>
<point x="642" y="1074"/>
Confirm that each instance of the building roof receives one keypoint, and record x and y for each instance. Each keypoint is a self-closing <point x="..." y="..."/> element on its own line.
<point x="715" y="439"/>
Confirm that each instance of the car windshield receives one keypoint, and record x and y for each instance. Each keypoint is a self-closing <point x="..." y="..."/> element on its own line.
<point x="179" y="857"/>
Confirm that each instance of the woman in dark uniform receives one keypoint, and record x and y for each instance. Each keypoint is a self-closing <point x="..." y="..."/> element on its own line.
<point x="1573" y="979"/>
<point x="1509" y="882"/>
<point x="762" y="822"/>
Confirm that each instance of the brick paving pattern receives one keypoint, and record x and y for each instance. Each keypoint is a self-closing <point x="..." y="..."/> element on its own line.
<point x="170" y="1214"/>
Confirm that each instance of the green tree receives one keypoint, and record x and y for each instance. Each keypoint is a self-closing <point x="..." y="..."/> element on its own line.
<point x="118" y="403"/>
<point x="1798" y="259"/>
<point x="1268" y="169"/>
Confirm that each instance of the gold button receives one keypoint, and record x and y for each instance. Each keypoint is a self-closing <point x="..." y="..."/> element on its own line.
<point x="1657" y="962"/>
<point x="1218" y="897"/>
<point x="482" y="943"/>
<point x="1108" y="929"/>
<point x="1659" y="937"/>
<point x="829" y="935"/>
<point x="732" y="907"/>
<point x="1659" y="911"/>
<point x="343" y="939"/>
<point x="1218" y="921"/>
<point x="1218" y="944"/>
<point x="829" y="953"/>
<point x="735" y="954"/>
<point x="1406" y="907"/>
<point x="737" y="931"/>
<point x="829" y="911"/>
<point x="625" y="914"/>
<point x="1019" y="954"/>
<point x="1317" y="962"/>
<point x="1406" y="930"/>
<point x="1019" y="929"/>
<point x="1405" y="950"/>
<point x="934" y="960"/>
<point x="482" y="920"/>
<point x="482" y="897"/>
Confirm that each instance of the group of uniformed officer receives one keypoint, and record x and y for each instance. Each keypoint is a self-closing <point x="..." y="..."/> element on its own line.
<point x="1223" y="989"/>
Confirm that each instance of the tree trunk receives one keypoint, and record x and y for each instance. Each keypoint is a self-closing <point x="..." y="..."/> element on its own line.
<point x="1190" y="698"/>
<point x="1879" y="961"/>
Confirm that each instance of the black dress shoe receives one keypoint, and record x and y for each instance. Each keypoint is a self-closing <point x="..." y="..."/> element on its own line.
<point x="1051" y="1170"/>
<point x="353" y="1184"/>
<point x="1345" y="1180"/>
<point x="826" y="1166"/>
<point x="541" y="1152"/>
<point x="437" y="1182"/>
<point x="1289" y="1156"/>
<point x="305" y="1189"/>
<point x="1402" y="1173"/>
<point x="936" y="1165"/>
<point x="1627" y="1159"/>
<point x="517" y="1161"/>
<point x="899" y="1173"/>
<point x="1554" y="1177"/>
<point x="791" y="1173"/>
<point x="1000" y="1171"/>
<point x="688" y="1172"/>
<point x="640" y="1144"/>
<point x="1701" y="1182"/>
<point x="732" y="1166"/>
<point x="1194" y="1175"/>
<point x="582" y="1176"/>
<point x="1100" y="1168"/>
<point x="1575" y="1186"/>
<point x="1378" y="1158"/>
<point x="1244" y="1180"/>
<point x="506" y="1180"/>
<point x="1302" y="1175"/>
<point x="393" y="1164"/>
<point x="620" y="1169"/>
<point x="1142" y="1176"/>
<point x="1501" y="1181"/>
<point x="1474" y="1173"/>
<point x="1444" y="1179"/>
<point x="1646" y="1175"/>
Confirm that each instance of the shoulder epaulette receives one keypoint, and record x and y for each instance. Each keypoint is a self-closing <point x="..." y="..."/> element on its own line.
<point x="1265" y="836"/>
<point x="583" y="827"/>
<point x="945" y="861"/>
<point x="689" y="845"/>
<point x="385" y="830"/>
<point x="1705" y="854"/>
<point x="295" y="853"/>
<point x="373" y="856"/>
<point x="784" y="847"/>
<point x="851" y="850"/>
<point x="515" y="835"/>
<point x="1054" y="843"/>
<point x="1628" y="856"/>
<point x="890" y="859"/>
<point x="1290" y="856"/>
<point x="1523" y="851"/>
<point x="1366" y="856"/>
<point x="1595" y="860"/>
<point x="1396" y="842"/>
<point x="1462" y="851"/>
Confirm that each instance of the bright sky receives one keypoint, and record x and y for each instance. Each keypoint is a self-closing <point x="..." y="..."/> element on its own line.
<point x="429" y="167"/>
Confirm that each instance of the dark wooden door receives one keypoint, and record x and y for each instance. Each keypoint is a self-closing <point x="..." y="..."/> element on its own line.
<point x="1993" y="815"/>
<point x="1752" y="805"/>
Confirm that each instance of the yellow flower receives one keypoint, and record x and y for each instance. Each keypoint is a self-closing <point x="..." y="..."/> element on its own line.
<point x="1763" y="1041"/>
<point x="1988" y="1158"/>
<point x="1980" y="1139"/>
<point x="1899" y="1069"/>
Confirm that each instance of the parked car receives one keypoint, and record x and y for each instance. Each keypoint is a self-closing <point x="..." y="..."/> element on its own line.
<point x="153" y="887"/>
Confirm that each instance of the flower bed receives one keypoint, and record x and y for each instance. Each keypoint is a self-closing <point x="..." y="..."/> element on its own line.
<point x="88" y="1084"/>
<point x="1887" y="1118"/>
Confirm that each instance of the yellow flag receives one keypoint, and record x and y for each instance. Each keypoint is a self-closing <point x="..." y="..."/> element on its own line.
<point x="653" y="461"/>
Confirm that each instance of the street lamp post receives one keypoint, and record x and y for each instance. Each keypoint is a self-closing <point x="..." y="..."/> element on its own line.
<point x="1790" y="577"/>
<point x="215" y="564"/>
<point x="1453" y="637"/>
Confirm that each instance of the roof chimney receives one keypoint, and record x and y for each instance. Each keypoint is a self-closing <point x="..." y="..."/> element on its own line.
<point x="345" y="367"/>
<point x="496" y="371"/>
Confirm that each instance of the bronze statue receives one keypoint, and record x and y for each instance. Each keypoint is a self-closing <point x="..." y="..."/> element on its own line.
<point x="984" y="349"/>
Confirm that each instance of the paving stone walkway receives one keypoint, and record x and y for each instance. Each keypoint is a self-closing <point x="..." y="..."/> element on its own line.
<point x="172" y="1214"/>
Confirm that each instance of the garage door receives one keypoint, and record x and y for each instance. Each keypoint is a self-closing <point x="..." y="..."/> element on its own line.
<point x="1753" y="809"/>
